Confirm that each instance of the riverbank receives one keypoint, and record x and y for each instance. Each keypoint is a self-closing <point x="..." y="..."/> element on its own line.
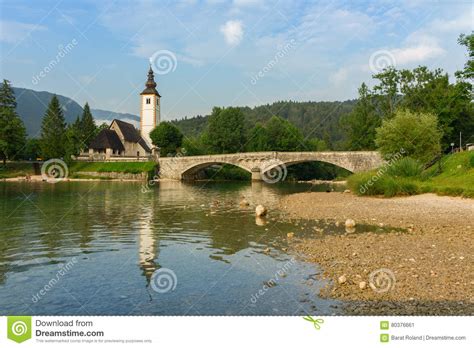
<point x="427" y="269"/>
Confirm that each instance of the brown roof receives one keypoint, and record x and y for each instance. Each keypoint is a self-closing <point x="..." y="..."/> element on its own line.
<point x="107" y="139"/>
<point x="130" y="133"/>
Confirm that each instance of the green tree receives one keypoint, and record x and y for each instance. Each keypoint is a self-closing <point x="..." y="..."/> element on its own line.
<point x="225" y="131"/>
<point x="12" y="129"/>
<point x="32" y="149"/>
<point x="88" y="129"/>
<point x="409" y="134"/>
<point x="167" y="137"/>
<point x="53" y="131"/>
<point x="468" y="71"/>
<point x="387" y="91"/>
<point x="283" y="136"/>
<point x="258" y="139"/>
<point x="362" y="122"/>
<point x="74" y="139"/>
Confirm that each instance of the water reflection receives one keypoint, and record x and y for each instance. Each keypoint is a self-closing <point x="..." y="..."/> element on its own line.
<point x="121" y="235"/>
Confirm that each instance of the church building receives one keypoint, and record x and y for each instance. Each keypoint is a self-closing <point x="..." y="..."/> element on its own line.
<point x="122" y="140"/>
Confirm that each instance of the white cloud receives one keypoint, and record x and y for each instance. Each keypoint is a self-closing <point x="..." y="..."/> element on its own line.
<point x="11" y="31"/>
<point x="233" y="32"/>
<point x="419" y="48"/>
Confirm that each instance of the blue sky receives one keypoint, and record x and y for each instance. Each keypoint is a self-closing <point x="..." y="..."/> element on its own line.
<point x="241" y="52"/>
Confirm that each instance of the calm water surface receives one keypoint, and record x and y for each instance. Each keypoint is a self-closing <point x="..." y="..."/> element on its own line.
<point x="90" y="248"/>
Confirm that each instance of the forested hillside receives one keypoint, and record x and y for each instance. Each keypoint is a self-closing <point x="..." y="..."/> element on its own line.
<point x="314" y="119"/>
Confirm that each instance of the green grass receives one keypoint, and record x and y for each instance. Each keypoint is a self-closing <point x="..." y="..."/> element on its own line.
<point x="120" y="167"/>
<point x="456" y="178"/>
<point x="12" y="170"/>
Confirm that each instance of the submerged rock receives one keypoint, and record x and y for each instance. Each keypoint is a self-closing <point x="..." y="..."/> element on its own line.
<point x="350" y="223"/>
<point x="260" y="210"/>
<point x="244" y="203"/>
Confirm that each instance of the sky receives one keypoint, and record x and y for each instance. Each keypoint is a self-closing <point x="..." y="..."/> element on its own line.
<point x="222" y="53"/>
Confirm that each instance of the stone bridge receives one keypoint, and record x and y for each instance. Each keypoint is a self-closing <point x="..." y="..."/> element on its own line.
<point x="258" y="163"/>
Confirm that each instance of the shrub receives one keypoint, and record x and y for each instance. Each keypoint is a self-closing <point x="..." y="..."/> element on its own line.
<point x="471" y="160"/>
<point x="413" y="134"/>
<point x="406" y="167"/>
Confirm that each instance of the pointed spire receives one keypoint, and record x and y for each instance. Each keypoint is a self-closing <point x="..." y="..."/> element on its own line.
<point x="150" y="84"/>
<point x="151" y="79"/>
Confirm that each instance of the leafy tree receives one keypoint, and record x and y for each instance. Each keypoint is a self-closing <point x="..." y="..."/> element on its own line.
<point x="387" y="91"/>
<point x="258" y="139"/>
<point x="468" y="71"/>
<point x="225" y="132"/>
<point x="409" y="134"/>
<point x="283" y="136"/>
<point x="88" y="129"/>
<point x="12" y="129"/>
<point x="53" y="131"/>
<point x="167" y="137"/>
<point x="362" y="122"/>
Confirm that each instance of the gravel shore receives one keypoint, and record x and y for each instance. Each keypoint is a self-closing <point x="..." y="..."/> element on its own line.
<point x="426" y="269"/>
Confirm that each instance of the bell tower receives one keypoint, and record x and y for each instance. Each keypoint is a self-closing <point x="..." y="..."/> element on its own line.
<point x="150" y="107"/>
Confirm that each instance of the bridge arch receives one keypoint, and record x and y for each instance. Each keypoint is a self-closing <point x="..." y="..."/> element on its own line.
<point x="189" y="172"/>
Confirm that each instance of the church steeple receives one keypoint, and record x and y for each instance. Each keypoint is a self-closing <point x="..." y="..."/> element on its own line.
<point x="150" y="107"/>
<point x="150" y="84"/>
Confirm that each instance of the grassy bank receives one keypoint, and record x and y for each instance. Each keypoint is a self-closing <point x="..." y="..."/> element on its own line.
<point x="13" y="170"/>
<point x="453" y="176"/>
<point x="120" y="167"/>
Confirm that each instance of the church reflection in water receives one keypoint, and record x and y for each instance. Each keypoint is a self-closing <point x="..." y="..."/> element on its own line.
<point x="147" y="244"/>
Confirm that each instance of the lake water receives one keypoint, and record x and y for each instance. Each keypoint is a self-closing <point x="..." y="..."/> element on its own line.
<point x="122" y="248"/>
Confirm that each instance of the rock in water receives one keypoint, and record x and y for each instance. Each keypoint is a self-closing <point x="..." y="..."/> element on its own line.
<point x="244" y="203"/>
<point x="350" y="223"/>
<point x="290" y="235"/>
<point x="260" y="210"/>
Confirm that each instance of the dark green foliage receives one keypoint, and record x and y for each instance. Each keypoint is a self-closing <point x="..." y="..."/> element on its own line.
<point x="225" y="131"/>
<point x="74" y="139"/>
<point x="53" y="131"/>
<point x="362" y="122"/>
<point x="226" y="172"/>
<point x="167" y="137"/>
<point x="32" y="149"/>
<point x="12" y="130"/>
<point x="87" y="127"/>
<point x="320" y="120"/>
